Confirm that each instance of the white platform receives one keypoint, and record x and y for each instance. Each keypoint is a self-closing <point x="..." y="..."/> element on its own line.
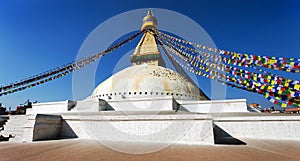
<point x="276" y="126"/>
<point x="163" y="103"/>
<point x="91" y="105"/>
<point x="167" y="127"/>
<point x="214" y="106"/>
<point x="51" y="107"/>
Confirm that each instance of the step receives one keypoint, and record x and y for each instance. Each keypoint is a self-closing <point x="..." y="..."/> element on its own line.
<point x="16" y="140"/>
<point x="13" y="127"/>
<point x="14" y="134"/>
<point x="14" y="124"/>
<point x="18" y="137"/>
<point x="5" y="134"/>
<point x="14" y="131"/>
<point x="17" y="116"/>
<point x="15" y="121"/>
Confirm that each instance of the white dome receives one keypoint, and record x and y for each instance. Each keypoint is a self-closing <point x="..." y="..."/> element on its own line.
<point x="147" y="81"/>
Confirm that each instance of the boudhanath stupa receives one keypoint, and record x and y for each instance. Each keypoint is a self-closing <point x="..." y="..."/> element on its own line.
<point x="148" y="102"/>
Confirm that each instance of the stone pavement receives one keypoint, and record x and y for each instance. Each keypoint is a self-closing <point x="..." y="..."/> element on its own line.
<point x="78" y="149"/>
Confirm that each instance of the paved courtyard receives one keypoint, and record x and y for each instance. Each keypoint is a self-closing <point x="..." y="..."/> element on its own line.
<point x="78" y="149"/>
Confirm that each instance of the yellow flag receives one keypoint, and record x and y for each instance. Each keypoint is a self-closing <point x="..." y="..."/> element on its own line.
<point x="255" y="78"/>
<point x="270" y="88"/>
<point x="286" y="84"/>
<point x="284" y="105"/>
<point x="273" y="82"/>
<point x="266" y="95"/>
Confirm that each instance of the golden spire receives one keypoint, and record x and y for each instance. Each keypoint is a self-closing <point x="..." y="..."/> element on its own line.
<point x="147" y="51"/>
<point x="149" y="21"/>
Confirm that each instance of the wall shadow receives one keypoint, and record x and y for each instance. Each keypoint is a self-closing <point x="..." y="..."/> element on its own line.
<point x="66" y="131"/>
<point x="222" y="137"/>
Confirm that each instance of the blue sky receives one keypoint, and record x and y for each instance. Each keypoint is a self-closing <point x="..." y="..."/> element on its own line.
<point x="38" y="35"/>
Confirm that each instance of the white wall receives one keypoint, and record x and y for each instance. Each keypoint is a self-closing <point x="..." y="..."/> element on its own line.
<point x="50" y="107"/>
<point x="163" y="103"/>
<point x="214" y="106"/>
<point x="261" y="127"/>
<point x="185" y="129"/>
<point x="90" y="105"/>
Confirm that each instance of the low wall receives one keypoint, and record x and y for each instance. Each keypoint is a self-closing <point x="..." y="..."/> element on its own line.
<point x="164" y="103"/>
<point x="261" y="127"/>
<point x="51" y="107"/>
<point x="91" y="105"/>
<point x="214" y="106"/>
<point x="184" y="128"/>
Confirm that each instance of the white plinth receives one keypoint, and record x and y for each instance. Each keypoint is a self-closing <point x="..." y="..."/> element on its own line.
<point x="51" y="107"/>
<point x="91" y="105"/>
<point x="214" y="106"/>
<point x="163" y="103"/>
<point x="154" y="128"/>
<point x="261" y="127"/>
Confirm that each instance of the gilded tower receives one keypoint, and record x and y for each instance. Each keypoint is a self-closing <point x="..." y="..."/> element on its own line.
<point x="147" y="51"/>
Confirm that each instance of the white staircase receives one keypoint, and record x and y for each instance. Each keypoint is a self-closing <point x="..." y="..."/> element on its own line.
<point x="15" y="126"/>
